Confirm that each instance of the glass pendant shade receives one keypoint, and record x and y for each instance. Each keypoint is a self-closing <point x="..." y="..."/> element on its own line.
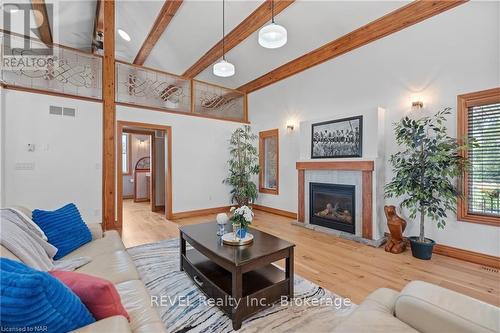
<point x="224" y="69"/>
<point x="272" y="36"/>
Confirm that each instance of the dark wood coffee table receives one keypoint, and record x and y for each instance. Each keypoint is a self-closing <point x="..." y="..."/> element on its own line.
<point x="241" y="279"/>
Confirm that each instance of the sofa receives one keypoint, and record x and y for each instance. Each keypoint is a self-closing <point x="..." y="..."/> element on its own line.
<point x="421" y="307"/>
<point x="111" y="261"/>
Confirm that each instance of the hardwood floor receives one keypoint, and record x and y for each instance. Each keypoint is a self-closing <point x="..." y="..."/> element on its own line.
<point x="347" y="268"/>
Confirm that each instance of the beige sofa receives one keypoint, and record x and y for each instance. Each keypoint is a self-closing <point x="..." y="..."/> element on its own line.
<point x="421" y="307"/>
<point x="111" y="261"/>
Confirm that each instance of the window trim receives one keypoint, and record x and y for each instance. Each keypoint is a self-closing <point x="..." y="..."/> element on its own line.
<point x="465" y="101"/>
<point x="129" y="158"/>
<point x="262" y="136"/>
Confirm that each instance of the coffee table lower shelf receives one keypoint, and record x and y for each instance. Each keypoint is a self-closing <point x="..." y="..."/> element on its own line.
<point x="259" y="288"/>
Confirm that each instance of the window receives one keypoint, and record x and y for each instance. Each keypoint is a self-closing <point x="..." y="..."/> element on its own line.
<point x="269" y="161"/>
<point x="479" y="118"/>
<point x="126" y="154"/>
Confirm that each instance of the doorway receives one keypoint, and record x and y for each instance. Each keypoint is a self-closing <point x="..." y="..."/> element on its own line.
<point x="144" y="177"/>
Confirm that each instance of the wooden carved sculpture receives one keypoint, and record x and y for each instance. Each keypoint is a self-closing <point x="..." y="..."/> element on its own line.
<point x="397" y="226"/>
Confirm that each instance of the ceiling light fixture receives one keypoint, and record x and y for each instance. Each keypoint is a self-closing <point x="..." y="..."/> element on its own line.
<point x="124" y="35"/>
<point x="223" y="68"/>
<point x="273" y="35"/>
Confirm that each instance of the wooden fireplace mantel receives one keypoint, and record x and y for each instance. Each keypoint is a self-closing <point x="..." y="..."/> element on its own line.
<point x="335" y="165"/>
<point x="365" y="167"/>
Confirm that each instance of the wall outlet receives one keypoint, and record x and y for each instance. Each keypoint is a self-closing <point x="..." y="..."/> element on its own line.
<point x="25" y="166"/>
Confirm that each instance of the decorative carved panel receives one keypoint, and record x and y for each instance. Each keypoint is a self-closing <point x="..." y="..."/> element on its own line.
<point x="31" y="64"/>
<point x="218" y="102"/>
<point x="141" y="86"/>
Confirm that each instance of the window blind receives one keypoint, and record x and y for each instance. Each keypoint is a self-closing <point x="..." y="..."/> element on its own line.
<point x="484" y="176"/>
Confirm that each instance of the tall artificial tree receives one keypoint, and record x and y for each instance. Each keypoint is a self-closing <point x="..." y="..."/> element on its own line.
<point x="426" y="167"/>
<point x="243" y="164"/>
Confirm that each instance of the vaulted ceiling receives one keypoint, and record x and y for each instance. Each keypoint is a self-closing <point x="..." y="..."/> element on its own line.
<point x="191" y="28"/>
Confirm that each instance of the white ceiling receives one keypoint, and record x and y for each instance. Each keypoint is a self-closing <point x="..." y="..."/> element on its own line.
<point x="136" y="18"/>
<point x="196" y="27"/>
<point x="72" y="22"/>
<point x="310" y="24"/>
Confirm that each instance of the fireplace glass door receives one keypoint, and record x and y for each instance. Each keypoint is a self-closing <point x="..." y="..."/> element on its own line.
<point x="332" y="206"/>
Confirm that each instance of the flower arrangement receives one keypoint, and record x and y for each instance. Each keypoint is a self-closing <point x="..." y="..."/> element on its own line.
<point x="242" y="216"/>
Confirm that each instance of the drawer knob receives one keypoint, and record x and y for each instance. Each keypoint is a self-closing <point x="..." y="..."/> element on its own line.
<point x="197" y="280"/>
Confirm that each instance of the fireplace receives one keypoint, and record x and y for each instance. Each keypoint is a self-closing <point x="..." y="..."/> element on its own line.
<point x="332" y="206"/>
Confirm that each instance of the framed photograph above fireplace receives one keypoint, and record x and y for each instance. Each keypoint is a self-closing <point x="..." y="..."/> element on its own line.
<point x="337" y="138"/>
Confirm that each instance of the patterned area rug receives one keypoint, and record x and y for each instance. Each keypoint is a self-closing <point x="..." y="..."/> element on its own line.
<point x="184" y="308"/>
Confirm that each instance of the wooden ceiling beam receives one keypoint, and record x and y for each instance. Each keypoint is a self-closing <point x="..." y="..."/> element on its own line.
<point x="42" y="21"/>
<point x="397" y="20"/>
<point x="163" y="19"/>
<point x="252" y="23"/>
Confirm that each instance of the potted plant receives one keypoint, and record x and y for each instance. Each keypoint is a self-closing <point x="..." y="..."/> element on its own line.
<point x="241" y="219"/>
<point x="243" y="164"/>
<point x="424" y="171"/>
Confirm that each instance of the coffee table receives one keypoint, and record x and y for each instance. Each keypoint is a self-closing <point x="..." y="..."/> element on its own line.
<point x="240" y="280"/>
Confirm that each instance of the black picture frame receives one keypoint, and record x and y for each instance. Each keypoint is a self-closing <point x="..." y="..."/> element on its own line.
<point x="347" y="146"/>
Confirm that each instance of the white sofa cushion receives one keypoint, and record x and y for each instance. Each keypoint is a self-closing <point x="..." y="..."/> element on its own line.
<point x="109" y="242"/>
<point x="137" y="301"/>
<point x="115" y="324"/>
<point x="375" y="315"/>
<point x="115" y="266"/>
<point x="429" y="308"/>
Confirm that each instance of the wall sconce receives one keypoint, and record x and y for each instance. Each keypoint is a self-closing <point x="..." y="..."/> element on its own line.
<point x="141" y="142"/>
<point x="289" y="127"/>
<point x="417" y="104"/>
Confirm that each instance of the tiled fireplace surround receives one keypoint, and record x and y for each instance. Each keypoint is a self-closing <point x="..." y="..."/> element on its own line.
<point x="367" y="174"/>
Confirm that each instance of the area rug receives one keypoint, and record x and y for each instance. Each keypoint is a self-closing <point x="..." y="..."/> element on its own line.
<point x="184" y="308"/>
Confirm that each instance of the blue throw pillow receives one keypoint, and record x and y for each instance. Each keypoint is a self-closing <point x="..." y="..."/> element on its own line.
<point x="64" y="228"/>
<point x="34" y="301"/>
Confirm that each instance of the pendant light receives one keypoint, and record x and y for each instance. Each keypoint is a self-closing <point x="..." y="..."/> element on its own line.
<point x="223" y="68"/>
<point x="273" y="35"/>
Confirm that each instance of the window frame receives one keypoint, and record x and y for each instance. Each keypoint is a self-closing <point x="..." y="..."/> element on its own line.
<point x="262" y="136"/>
<point x="465" y="101"/>
<point x="129" y="158"/>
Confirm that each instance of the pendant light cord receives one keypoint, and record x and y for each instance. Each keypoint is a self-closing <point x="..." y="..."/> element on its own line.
<point x="223" y="31"/>
<point x="272" y="11"/>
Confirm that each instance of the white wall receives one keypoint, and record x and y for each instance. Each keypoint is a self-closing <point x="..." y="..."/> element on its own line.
<point x="68" y="154"/>
<point x="67" y="158"/>
<point x="453" y="53"/>
<point x="199" y="156"/>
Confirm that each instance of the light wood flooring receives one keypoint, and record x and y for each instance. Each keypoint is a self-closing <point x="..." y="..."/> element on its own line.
<point x="344" y="267"/>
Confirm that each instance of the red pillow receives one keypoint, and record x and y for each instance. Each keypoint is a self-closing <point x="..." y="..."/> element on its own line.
<point x="99" y="295"/>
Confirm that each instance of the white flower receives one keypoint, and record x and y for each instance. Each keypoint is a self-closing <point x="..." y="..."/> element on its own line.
<point x="246" y="212"/>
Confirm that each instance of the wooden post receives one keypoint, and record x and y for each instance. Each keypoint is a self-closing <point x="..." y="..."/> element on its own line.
<point x="366" y="184"/>
<point x="300" y="204"/>
<point x="108" y="118"/>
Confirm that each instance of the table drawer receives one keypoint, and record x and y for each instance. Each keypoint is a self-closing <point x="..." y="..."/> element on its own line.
<point x="210" y="289"/>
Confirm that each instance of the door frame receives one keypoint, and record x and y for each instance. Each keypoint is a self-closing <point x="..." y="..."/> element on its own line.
<point x="120" y="124"/>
